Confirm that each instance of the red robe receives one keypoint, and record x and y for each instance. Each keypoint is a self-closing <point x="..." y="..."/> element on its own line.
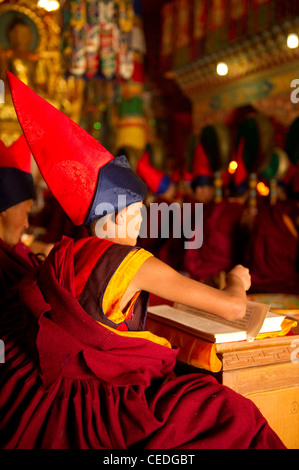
<point x="15" y="263"/>
<point x="223" y="241"/>
<point x="58" y="224"/>
<point x="148" y="241"/>
<point x="273" y="251"/>
<point x="70" y="382"/>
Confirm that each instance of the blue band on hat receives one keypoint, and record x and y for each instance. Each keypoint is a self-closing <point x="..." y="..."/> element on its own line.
<point x="240" y="189"/>
<point x="118" y="187"/>
<point x="164" y="185"/>
<point x="15" y="186"/>
<point x="202" y="180"/>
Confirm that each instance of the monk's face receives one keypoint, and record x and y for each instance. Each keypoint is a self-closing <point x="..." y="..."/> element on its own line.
<point x="123" y="227"/>
<point x="14" y="221"/>
<point x="133" y="223"/>
<point x="204" y="194"/>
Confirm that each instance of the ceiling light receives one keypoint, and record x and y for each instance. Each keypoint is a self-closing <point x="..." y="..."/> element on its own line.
<point x="49" y="5"/>
<point x="293" y="41"/>
<point x="222" y="69"/>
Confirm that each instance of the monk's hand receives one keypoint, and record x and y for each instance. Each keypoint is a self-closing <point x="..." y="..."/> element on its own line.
<point x="242" y="273"/>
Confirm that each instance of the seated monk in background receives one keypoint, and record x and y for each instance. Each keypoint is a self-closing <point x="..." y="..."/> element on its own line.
<point x="273" y="249"/>
<point x="224" y="233"/>
<point x="161" y="191"/>
<point x="83" y="371"/>
<point x="16" y="199"/>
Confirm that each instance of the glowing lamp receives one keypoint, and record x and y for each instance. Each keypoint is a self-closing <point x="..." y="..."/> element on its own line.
<point x="232" y="168"/>
<point x="222" y="69"/>
<point x="49" y="5"/>
<point x="293" y="41"/>
<point x="262" y="189"/>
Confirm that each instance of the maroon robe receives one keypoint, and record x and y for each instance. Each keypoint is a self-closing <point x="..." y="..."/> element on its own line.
<point x="154" y="244"/>
<point x="223" y="241"/>
<point x="56" y="222"/>
<point x="15" y="263"/>
<point x="273" y="251"/>
<point x="69" y="382"/>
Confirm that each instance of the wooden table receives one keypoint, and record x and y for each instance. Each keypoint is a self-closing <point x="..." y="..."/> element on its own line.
<point x="266" y="372"/>
<point x="263" y="371"/>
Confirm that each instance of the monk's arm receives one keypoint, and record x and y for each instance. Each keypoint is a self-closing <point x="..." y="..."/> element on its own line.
<point x="158" y="278"/>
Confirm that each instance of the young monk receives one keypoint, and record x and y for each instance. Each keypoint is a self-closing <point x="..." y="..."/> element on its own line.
<point x="80" y="371"/>
<point x="158" y="278"/>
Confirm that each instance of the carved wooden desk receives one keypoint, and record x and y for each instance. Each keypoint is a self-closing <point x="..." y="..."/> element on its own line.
<point x="266" y="371"/>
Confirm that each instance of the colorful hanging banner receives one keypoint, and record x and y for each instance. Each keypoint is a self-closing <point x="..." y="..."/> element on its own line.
<point x="126" y="15"/>
<point x="77" y="19"/>
<point x="92" y="38"/>
<point x="101" y="37"/>
<point x="77" y="14"/>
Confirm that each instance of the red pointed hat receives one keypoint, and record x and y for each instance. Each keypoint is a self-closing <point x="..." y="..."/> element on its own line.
<point x="87" y="181"/>
<point x="203" y="175"/>
<point x="187" y="175"/>
<point x="240" y="175"/>
<point x="68" y="157"/>
<point x="156" y="180"/>
<point x="201" y="165"/>
<point x="176" y="176"/>
<point x="17" y="155"/>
